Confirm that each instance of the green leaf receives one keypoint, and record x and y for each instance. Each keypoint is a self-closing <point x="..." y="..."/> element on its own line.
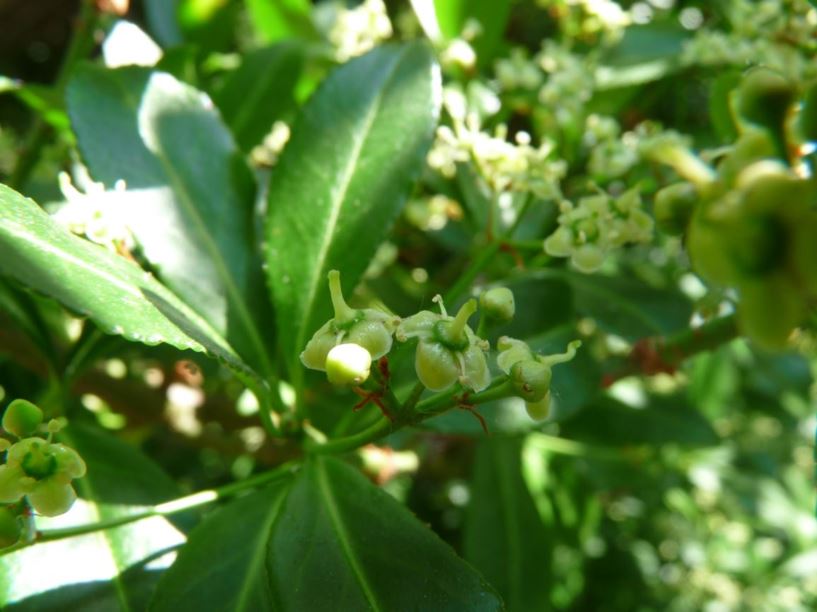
<point x="274" y="21"/>
<point x="115" y="293"/>
<point x="161" y="21"/>
<point x="327" y="539"/>
<point x="343" y="178"/>
<point x="628" y="307"/>
<point x="164" y="139"/>
<point x="504" y="537"/>
<point x="67" y="573"/>
<point x="492" y="16"/>
<point x="259" y="92"/>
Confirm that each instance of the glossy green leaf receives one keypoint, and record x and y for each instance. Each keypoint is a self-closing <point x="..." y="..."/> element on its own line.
<point x="115" y="293"/>
<point x="504" y="537"/>
<point x="164" y="139"/>
<point x="492" y="16"/>
<point x="106" y="568"/>
<point x="161" y="21"/>
<point x="274" y="21"/>
<point x="260" y="91"/>
<point x="327" y="539"/>
<point x="343" y="178"/>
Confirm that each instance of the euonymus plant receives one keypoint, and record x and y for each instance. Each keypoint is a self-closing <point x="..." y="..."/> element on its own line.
<point x="427" y="305"/>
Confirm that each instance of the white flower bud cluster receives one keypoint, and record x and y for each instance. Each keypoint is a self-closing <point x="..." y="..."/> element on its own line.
<point x="611" y="154"/>
<point x="96" y="214"/>
<point x="590" y="229"/>
<point x="570" y="81"/>
<point x="503" y="165"/>
<point x="355" y="31"/>
<point x="779" y="34"/>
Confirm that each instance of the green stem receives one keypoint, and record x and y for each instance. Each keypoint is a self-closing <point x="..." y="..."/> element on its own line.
<point x="692" y="341"/>
<point x="486" y="254"/>
<point x="175" y="506"/>
<point x="382" y="428"/>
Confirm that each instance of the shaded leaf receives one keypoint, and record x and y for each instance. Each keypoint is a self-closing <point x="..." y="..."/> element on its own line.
<point x="115" y="293"/>
<point x="326" y="539"/>
<point x="164" y="139"/>
<point x="260" y="91"/>
<point x="504" y="537"/>
<point x="343" y="178"/>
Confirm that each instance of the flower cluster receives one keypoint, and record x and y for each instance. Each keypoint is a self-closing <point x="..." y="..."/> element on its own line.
<point x="37" y="468"/>
<point x="504" y="165"/>
<point x="448" y="351"/>
<point x="354" y="31"/>
<point x="597" y="224"/>
<point x="779" y="34"/>
<point x="369" y="328"/>
<point x="96" y="214"/>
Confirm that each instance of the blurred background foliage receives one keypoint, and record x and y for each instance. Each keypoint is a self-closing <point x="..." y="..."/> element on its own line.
<point x="691" y="490"/>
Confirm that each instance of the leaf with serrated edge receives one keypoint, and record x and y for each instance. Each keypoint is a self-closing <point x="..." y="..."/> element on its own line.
<point x="115" y="293"/>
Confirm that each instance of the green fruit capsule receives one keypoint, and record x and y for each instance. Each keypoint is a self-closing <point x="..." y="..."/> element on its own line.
<point x="674" y="206"/>
<point x="498" y="304"/>
<point x="22" y="418"/>
<point x="348" y="364"/>
<point x="769" y="310"/>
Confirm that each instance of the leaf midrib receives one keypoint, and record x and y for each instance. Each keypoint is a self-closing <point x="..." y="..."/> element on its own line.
<point x="259" y="555"/>
<point x="339" y="198"/>
<point x="201" y="230"/>
<point x="19" y="231"/>
<point x="344" y="539"/>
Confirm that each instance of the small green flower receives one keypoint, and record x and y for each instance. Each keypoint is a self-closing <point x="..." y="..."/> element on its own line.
<point x="371" y="329"/>
<point x="42" y="472"/>
<point x="530" y="373"/>
<point x="448" y="350"/>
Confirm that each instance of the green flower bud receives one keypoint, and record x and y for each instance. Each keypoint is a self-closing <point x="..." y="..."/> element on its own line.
<point x="531" y="379"/>
<point x="530" y="374"/>
<point x="22" y="418"/>
<point x="498" y="304"/>
<point x="371" y="329"/>
<point x="348" y="364"/>
<point x="10" y="528"/>
<point x="764" y="97"/>
<point x="448" y="350"/>
<point x="674" y="206"/>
